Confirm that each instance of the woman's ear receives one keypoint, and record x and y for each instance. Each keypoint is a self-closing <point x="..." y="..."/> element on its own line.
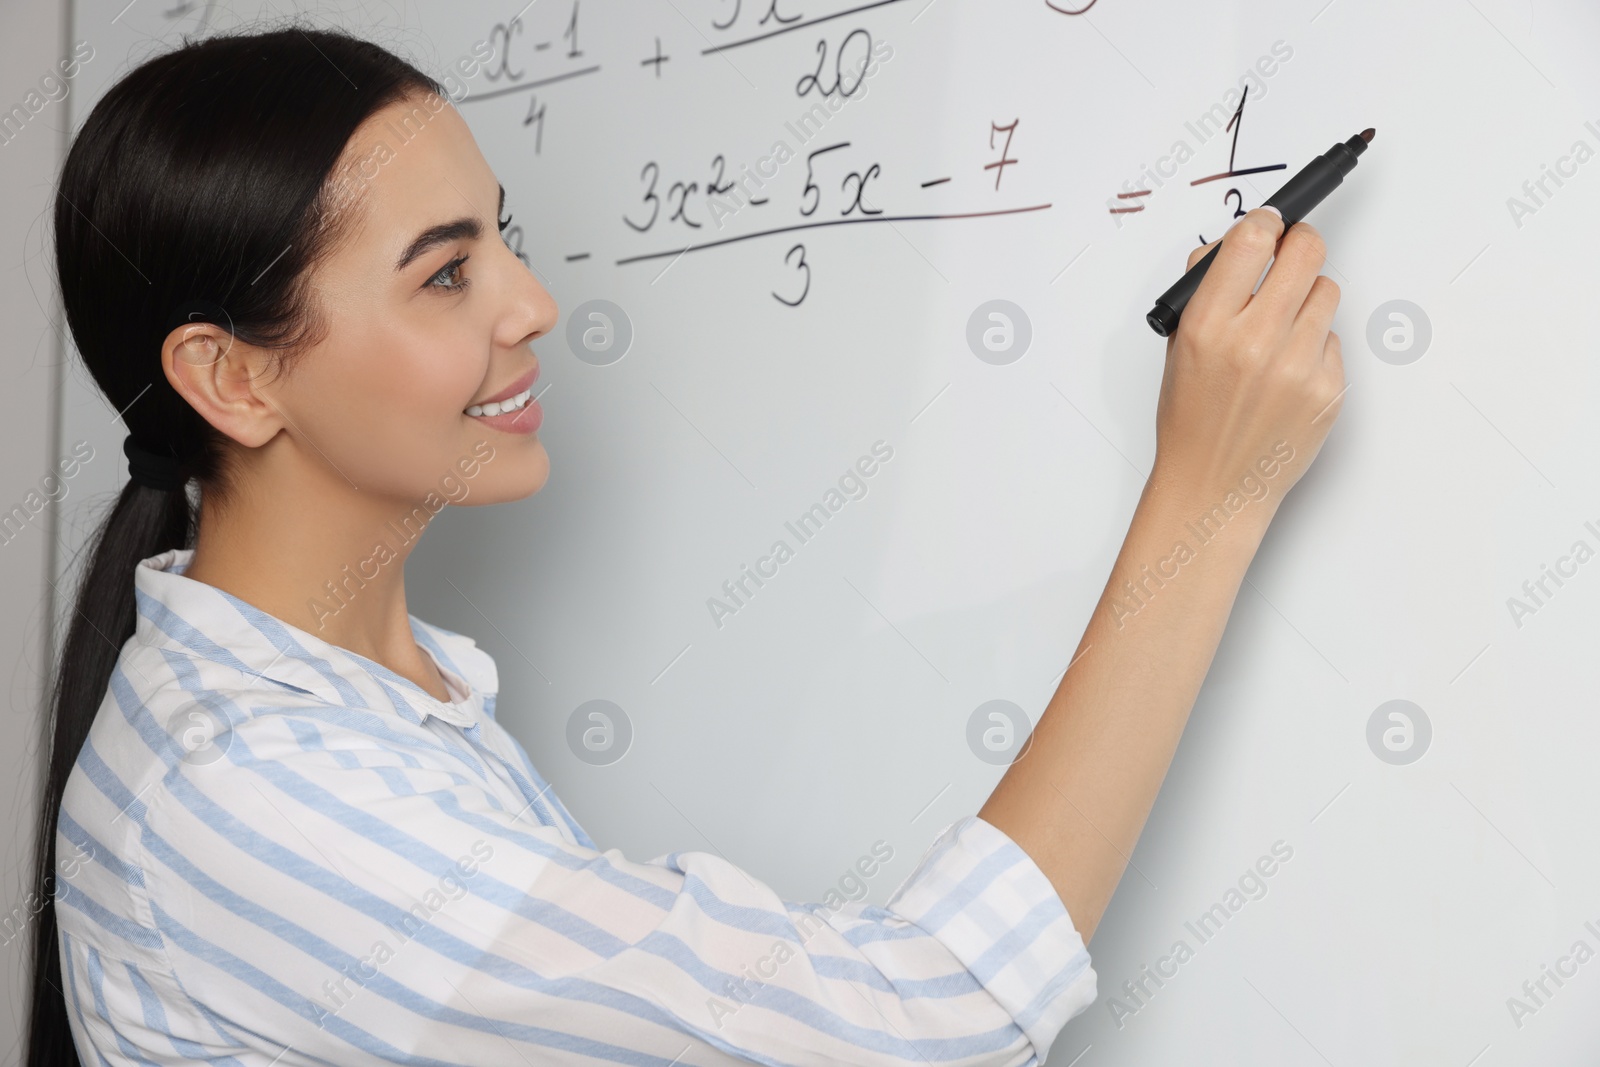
<point x="224" y="379"/>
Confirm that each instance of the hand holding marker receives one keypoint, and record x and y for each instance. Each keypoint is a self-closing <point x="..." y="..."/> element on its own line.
<point x="1294" y="201"/>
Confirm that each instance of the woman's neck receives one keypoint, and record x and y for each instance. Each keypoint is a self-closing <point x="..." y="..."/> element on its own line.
<point x="340" y="577"/>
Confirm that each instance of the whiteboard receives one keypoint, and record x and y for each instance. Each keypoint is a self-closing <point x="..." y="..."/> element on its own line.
<point x="1428" y="876"/>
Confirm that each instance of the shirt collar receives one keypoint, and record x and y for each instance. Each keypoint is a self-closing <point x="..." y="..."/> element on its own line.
<point x="195" y="619"/>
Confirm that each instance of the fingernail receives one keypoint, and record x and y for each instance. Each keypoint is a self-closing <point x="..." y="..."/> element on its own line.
<point x="1275" y="211"/>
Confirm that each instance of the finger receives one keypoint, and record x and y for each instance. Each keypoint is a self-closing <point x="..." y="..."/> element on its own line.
<point x="1333" y="367"/>
<point x="1230" y="281"/>
<point x="1333" y="358"/>
<point x="1294" y="268"/>
<point x="1315" y="316"/>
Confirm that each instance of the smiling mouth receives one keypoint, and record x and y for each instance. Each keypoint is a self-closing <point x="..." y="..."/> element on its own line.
<point x="500" y="407"/>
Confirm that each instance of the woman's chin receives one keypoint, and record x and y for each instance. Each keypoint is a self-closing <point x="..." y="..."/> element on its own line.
<point x="514" y="473"/>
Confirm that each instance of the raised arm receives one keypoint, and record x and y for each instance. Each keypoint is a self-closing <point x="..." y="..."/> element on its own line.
<point x="1253" y="383"/>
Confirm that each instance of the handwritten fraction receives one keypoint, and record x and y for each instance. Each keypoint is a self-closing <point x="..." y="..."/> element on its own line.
<point x="1128" y="204"/>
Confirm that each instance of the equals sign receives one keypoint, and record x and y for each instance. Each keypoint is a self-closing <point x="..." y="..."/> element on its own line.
<point x="1129" y="196"/>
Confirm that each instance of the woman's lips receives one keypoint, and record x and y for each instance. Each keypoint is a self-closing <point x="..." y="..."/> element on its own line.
<point x="523" y="420"/>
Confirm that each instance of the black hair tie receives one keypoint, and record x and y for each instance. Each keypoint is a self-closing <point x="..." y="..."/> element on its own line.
<point x="162" y="472"/>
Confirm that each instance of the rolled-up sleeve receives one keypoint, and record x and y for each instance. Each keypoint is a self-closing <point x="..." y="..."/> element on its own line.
<point x="988" y="902"/>
<point x="331" y="901"/>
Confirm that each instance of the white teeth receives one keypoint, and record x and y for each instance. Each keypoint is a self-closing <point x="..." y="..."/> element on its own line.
<point x="502" y="406"/>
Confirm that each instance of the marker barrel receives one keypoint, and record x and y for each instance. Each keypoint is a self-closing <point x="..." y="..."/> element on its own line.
<point x="1319" y="178"/>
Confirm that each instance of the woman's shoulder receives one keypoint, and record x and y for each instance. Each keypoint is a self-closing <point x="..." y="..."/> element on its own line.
<point x="176" y="742"/>
<point x="172" y="714"/>
<point x="163" y="711"/>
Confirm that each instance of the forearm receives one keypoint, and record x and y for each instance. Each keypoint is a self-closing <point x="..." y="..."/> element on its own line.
<point x="1078" y="798"/>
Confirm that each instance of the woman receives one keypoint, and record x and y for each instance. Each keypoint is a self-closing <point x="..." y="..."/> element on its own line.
<point x="281" y="825"/>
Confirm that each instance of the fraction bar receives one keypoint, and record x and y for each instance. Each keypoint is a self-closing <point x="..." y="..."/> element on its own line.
<point x="530" y="85"/>
<point x="1237" y="173"/>
<point x="825" y="222"/>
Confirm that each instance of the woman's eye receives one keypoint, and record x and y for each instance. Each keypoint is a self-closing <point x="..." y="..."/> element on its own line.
<point x="450" y="270"/>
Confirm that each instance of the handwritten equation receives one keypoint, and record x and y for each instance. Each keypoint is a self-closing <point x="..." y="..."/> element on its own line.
<point x="843" y="182"/>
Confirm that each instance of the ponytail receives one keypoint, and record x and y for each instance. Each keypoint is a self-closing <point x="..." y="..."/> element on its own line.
<point x="143" y="522"/>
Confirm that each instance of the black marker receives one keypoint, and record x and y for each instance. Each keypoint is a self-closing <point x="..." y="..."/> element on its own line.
<point x="1295" y="200"/>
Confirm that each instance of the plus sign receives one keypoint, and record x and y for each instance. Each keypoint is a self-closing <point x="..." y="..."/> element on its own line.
<point x="657" y="59"/>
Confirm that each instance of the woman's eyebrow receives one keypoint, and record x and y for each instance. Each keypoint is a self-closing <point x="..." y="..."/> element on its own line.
<point x="434" y="236"/>
<point x="444" y="233"/>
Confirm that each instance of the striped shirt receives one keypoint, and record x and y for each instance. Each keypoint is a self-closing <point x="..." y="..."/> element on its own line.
<point x="272" y="850"/>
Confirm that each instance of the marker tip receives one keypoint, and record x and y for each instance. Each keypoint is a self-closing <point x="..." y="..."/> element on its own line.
<point x="1367" y="134"/>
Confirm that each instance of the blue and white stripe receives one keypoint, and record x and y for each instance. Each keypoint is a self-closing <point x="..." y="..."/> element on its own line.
<point x="293" y="856"/>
